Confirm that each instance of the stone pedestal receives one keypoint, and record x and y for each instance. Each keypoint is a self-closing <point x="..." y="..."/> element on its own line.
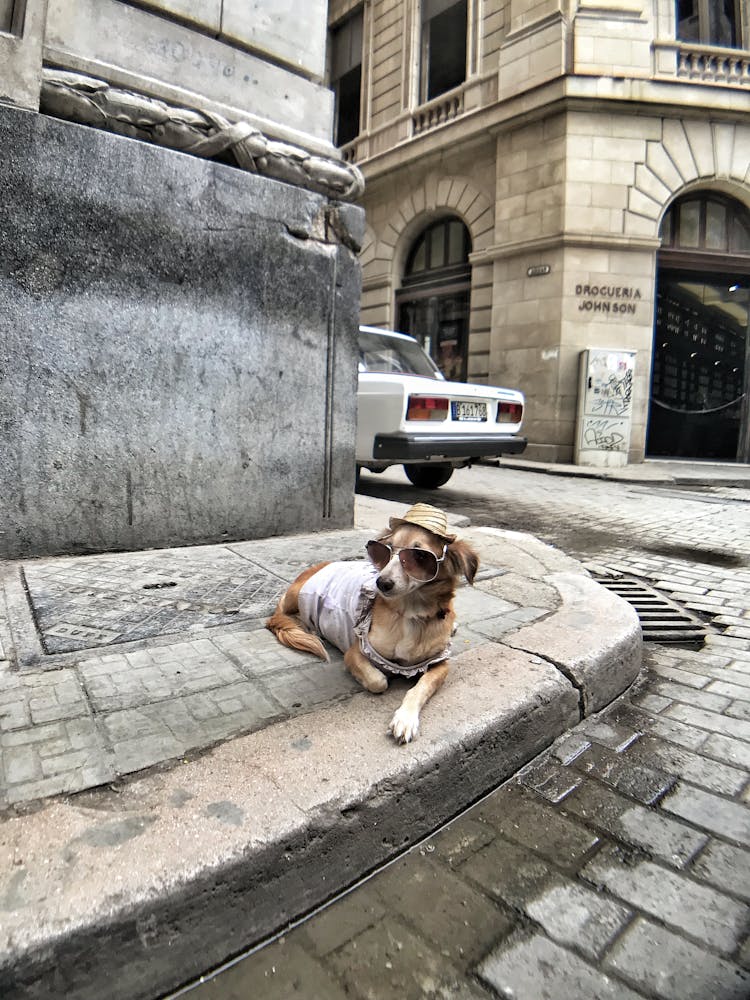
<point x="179" y="347"/>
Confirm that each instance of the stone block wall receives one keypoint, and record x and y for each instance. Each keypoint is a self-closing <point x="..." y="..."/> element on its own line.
<point x="179" y="347"/>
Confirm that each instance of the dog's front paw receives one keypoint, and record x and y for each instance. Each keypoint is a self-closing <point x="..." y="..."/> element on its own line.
<point x="404" y="725"/>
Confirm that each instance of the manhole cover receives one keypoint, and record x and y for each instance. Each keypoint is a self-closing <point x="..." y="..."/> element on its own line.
<point x="662" y="620"/>
<point x="95" y="601"/>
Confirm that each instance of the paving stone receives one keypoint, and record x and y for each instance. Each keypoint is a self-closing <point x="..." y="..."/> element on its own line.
<point x="48" y="760"/>
<point x="662" y="963"/>
<point x="510" y="873"/>
<point x="550" y="780"/>
<point x="531" y="967"/>
<point x="679" y="676"/>
<point x="733" y="691"/>
<point x="528" y="820"/>
<point x="142" y="737"/>
<point x="476" y="606"/>
<point x="712" y="701"/>
<point x="621" y="772"/>
<point x="569" y="747"/>
<point x="678" y="762"/>
<point x="144" y="676"/>
<point x="724" y="748"/>
<point x="667" y="729"/>
<point x="279" y="972"/>
<point x="458" y="841"/>
<point x="258" y="652"/>
<point x="574" y="915"/>
<point x="633" y="824"/>
<point x="652" y="703"/>
<point x="739" y="710"/>
<point x="609" y="734"/>
<point x="20" y="764"/>
<point x="495" y="628"/>
<point x="441" y="907"/>
<point x="711" y="721"/>
<point x="390" y="960"/>
<point x="710" y="812"/>
<point x="726" y="867"/>
<point x="701" y="912"/>
<point x="343" y="920"/>
<point x="38" y="698"/>
<point x="309" y="684"/>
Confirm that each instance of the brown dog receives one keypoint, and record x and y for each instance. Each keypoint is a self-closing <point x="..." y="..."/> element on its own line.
<point x="393" y="615"/>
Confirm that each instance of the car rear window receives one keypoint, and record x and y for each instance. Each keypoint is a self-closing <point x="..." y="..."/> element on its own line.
<point x="391" y="355"/>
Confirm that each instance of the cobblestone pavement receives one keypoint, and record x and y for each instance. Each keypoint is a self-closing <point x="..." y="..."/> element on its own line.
<point x="616" y="865"/>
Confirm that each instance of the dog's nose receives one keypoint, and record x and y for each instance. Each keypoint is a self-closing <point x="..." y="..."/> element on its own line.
<point x="384" y="585"/>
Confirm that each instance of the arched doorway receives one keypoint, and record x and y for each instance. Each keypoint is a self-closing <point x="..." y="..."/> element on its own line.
<point x="433" y="302"/>
<point x="700" y="384"/>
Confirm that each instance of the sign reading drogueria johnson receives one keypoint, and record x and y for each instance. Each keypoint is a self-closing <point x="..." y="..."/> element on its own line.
<point x="619" y="299"/>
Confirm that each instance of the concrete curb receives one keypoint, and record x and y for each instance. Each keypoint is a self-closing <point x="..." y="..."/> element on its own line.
<point x="182" y="868"/>
<point x="128" y="893"/>
<point x="600" y="662"/>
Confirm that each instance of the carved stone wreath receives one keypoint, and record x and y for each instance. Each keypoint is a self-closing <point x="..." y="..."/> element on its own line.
<point x="89" y="101"/>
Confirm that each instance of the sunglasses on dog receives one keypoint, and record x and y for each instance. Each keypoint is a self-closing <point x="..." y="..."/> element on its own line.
<point x="419" y="564"/>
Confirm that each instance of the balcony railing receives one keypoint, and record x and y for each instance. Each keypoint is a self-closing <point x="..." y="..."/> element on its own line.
<point x="707" y="64"/>
<point x="439" y="111"/>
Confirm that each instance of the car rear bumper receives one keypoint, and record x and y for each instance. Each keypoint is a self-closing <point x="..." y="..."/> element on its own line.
<point x="402" y="447"/>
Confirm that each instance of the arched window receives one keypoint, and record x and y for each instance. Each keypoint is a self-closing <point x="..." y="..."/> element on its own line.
<point x="433" y="303"/>
<point x="707" y="223"/>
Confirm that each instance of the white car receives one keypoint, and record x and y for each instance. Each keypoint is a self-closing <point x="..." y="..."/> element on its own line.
<point x="408" y="414"/>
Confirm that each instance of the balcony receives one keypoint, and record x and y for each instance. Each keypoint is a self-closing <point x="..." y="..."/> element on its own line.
<point x="707" y="64"/>
<point x="438" y="111"/>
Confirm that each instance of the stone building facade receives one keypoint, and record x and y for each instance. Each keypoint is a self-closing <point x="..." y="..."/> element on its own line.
<point x="594" y="157"/>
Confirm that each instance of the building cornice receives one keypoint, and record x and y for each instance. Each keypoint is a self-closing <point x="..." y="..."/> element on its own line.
<point x="670" y="98"/>
<point x="558" y="241"/>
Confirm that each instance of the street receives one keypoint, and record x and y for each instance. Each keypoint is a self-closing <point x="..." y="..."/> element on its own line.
<point x="615" y="865"/>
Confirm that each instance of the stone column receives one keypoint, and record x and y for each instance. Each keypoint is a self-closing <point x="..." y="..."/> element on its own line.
<point x="21" y="40"/>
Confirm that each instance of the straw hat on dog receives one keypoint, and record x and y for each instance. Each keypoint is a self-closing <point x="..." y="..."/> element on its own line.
<point x="428" y="517"/>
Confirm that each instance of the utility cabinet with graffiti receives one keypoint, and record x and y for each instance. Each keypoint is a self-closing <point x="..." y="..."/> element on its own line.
<point x="605" y="407"/>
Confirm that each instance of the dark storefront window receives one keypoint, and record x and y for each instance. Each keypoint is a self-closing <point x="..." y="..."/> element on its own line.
<point x="699" y="365"/>
<point x="701" y="359"/>
<point x="433" y="304"/>
<point x="346" y="78"/>
<point x="443" y="57"/>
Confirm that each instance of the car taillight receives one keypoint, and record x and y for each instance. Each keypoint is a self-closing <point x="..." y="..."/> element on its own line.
<point x="427" y="408"/>
<point x="509" y="413"/>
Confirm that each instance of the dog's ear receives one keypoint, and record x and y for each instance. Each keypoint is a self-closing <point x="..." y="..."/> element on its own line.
<point x="463" y="560"/>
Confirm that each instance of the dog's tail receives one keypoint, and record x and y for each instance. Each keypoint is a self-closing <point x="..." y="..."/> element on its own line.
<point x="290" y="633"/>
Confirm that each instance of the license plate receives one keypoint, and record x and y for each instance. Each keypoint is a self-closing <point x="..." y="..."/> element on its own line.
<point x="469" y="411"/>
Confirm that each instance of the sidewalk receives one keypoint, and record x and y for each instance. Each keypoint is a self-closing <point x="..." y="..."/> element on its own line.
<point x="671" y="472"/>
<point x="176" y="784"/>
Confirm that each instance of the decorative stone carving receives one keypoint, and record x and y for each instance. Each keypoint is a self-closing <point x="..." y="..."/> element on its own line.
<point x="90" y="101"/>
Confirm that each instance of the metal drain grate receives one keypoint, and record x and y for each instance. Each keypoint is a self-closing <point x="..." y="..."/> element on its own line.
<point x="662" y="620"/>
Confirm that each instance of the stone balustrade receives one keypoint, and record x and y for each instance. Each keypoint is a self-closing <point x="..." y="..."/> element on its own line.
<point x="437" y="112"/>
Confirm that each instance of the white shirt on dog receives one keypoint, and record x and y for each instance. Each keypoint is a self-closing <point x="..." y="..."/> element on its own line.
<point x="337" y="603"/>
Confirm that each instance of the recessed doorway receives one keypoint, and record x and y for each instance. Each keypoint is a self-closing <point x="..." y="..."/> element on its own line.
<point x="701" y="360"/>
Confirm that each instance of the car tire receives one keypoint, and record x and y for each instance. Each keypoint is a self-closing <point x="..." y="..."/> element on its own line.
<point x="428" y="477"/>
